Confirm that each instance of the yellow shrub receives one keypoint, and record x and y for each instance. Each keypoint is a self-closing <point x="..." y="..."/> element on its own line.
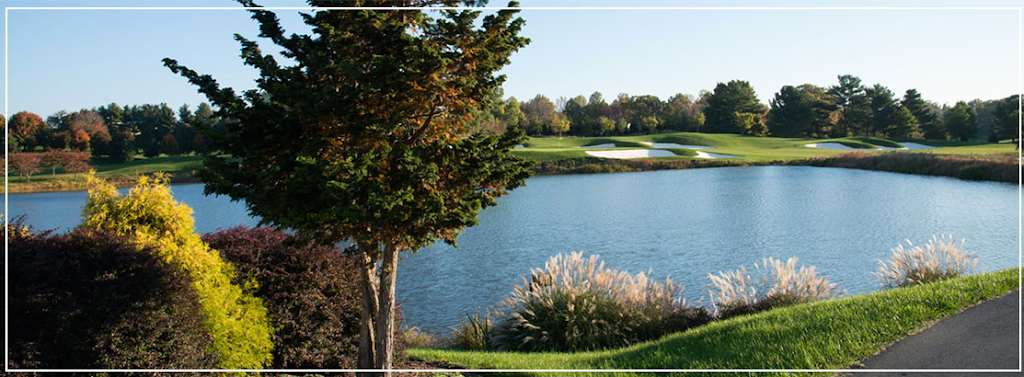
<point x="236" y="320"/>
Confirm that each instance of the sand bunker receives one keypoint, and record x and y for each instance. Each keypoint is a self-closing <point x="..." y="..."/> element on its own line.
<point x="916" y="146"/>
<point x="631" y="153"/>
<point x="830" y="146"/>
<point x="606" y="145"/>
<point x="674" y="145"/>
<point x="906" y="146"/>
<point x="714" y="155"/>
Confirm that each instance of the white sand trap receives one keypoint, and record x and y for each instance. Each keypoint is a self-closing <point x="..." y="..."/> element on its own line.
<point x="830" y="146"/>
<point x="714" y="155"/>
<point x="909" y="145"/>
<point x="674" y="145"/>
<point x="890" y="148"/>
<point x="606" y="145"/>
<point x="631" y="153"/>
<point x="519" y="146"/>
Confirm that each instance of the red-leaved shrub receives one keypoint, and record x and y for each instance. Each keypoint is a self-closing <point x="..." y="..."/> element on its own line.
<point x="91" y="299"/>
<point x="311" y="293"/>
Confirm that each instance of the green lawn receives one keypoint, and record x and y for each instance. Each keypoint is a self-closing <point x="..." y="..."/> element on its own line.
<point x="47" y="181"/>
<point x="831" y="334"/>
<point x="751" y="148"/>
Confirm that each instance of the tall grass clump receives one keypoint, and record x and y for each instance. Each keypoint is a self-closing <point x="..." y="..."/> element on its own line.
<point x="473" y="333"/>
<point x="149" y="217"/>
<point x="941" y="258"/>
<point x="773" y="284"/>
<point x="576" y="303"/>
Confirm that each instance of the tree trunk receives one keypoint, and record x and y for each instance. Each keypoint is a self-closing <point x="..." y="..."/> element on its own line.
<point x="384" y="347"/>
<point x="368" y="288"/>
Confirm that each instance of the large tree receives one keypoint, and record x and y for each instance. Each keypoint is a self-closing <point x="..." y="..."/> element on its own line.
<point x="1007" y="119"/>
<point x="854" y="106"/>
<point x="733" y="108"/>
<point x="363" y="139"/>
<point x="930" y="123"/>
<point x="539" y="113"/>
<point x="960" y="121"/>
<point x="25" y="128"/>
<point x="792" y="112"/>
<point x="883" y="110"/>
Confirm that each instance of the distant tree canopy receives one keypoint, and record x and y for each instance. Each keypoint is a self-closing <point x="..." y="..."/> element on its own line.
<point x="792" y="112"/>
<point x="734" y="108"/>
<point x="961" y="121"/>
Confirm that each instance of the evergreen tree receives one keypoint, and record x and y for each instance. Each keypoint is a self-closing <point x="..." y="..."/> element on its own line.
<point x="960" y="120"/>
<point x="854" y="107"/>
<point x="364" y="139"/>
<point x="791" y="114"/>
<point x="731" y="107"/>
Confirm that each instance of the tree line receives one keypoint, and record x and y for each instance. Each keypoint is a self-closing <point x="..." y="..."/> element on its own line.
<point x="848" y="108"/>
<point x="119" y="132"/>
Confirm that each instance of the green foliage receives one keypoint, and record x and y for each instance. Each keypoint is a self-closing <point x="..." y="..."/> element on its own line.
<point x="960" y="121"/>
<point x="91" y="299"/>
<point x="365" y="138"/>
<point x="575" y="304"/>
<point x="1007" y="118"/>
<point x="883" y="106"/>
<point x="854" y="107"/>
<point x="903" y="123"/>
<point x="930" y="123"/>
<point x="149" y="216"/>
<point x="311" y="293"/>
<point x="473" y="332"/>
<point x="732" y="109"/>
<point x="792" y="112"/>
<point x="832" y="334"/>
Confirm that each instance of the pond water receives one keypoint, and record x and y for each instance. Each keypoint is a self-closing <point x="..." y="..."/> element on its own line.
<point x="682" y="223"/>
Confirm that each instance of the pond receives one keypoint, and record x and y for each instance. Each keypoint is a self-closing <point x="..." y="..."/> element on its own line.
<point x="682" y="223"/>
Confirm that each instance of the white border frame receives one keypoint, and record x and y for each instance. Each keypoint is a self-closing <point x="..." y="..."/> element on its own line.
<point x="1020" y="153"/>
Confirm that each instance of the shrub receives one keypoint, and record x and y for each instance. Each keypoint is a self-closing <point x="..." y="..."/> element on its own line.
<point x="940" y="258"/>
<point x="773" y="284"/>
<point x="91" y="299"/>
<point x="311" y="292"/>
<point x="473" y="333"/>
<point x="149" y="217"/>
<point x="578" y="304"/>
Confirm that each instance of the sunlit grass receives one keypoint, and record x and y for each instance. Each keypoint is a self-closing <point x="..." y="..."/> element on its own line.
<point x="749" y="148"/>
<point x="832" y="334"/>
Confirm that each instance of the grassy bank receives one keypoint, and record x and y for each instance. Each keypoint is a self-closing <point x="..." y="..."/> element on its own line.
<point x="121" y="174"/>
<point x="831" y="334"/>
<point x="555" y="155"/>
<point x="1001" y="169"/>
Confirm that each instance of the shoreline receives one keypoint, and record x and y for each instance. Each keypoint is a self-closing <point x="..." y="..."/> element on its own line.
<point x="972" y="168"/>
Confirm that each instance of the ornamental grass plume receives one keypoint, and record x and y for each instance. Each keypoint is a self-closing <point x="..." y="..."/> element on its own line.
<point x="773" y="284"/>
<point x="941" y="258"/>
<point x="576" y="303"/>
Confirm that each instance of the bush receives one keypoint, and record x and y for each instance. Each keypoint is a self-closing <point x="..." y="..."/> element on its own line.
<point x="311" y="292"/>
<point x="774" y="284"/>
<point x="940" y="258"/>
<point x="91" y="299"/>
<point x="576" y="304"/>
<point x="473" y="333"/>
<point x="150" y="217"/>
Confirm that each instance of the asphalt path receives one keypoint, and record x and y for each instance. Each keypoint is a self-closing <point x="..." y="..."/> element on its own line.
<point x="986" y="336"/>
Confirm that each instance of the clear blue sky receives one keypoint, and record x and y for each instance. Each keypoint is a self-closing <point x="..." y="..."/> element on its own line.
<point x="72" y="59"/>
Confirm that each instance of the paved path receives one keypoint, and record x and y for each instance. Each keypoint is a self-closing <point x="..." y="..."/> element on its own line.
<point x="981" y="337"/>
